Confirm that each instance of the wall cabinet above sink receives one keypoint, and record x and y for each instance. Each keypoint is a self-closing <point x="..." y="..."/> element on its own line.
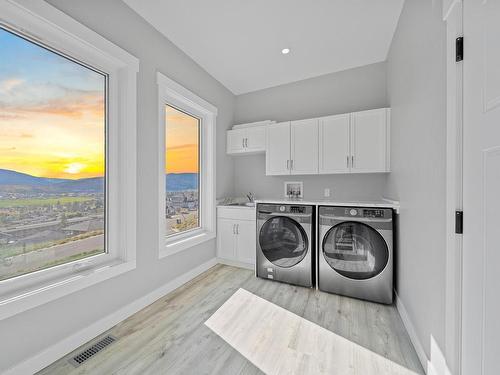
<point x="249" y="140"/>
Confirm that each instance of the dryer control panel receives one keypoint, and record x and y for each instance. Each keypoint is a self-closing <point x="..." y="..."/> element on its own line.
<point x="373" y="213"/>
<point x="364" y="212"/>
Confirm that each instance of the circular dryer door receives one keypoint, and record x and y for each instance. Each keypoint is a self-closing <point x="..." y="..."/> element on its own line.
<point x="355" y="250"/>
<point x="283" y="241"/>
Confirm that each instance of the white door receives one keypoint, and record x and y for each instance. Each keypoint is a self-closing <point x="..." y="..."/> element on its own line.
<point x="369" y="141"/>
<point x="255" y="139"/>
<point x="235" y="141"/>
<point x="334" y="153"/>
<point x="304" y="147"/>
<point x="481" y="193"/>
<point x="246" y="241"/>
<point x="226" y="238"/>
<point x="278" y="149"/>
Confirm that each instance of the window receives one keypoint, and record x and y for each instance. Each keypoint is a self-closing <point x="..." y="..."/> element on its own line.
<point x="67" y="156"/>
<point x="52" y="158"/>
<point x="182" y="164"/>
<point x="187" y="168"/>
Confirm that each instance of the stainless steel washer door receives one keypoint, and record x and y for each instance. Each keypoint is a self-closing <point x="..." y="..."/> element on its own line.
<point x="283" y="241"/>
<point x="355" y="250"/>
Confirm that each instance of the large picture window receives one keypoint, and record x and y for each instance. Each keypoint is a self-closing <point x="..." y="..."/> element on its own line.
<point x="52" y="158"/>
<point x="182" y="165"/>
<point x="68" y="114"/>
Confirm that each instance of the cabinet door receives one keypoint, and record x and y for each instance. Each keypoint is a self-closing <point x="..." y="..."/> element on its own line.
<point x="246" y="241"/>
<point x="278" y="149"/>
<point x="255" y="139"/>
<point x="334" y="153"/>
<point x="304" y="147"/>
<point x="226" y="238"/>
<point x="369" y="141"/>
<point x="235" y="141"/>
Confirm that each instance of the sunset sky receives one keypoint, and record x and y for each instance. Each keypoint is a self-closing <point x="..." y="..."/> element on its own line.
<point x="182" y="142"/>
<point x="52" y="116"/>
<point x="52" y="112"/>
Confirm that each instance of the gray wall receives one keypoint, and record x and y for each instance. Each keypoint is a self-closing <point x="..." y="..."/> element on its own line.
<point x="417" y="94"/>
<point x="347" y="91"/>
<point x="28" y="333"/>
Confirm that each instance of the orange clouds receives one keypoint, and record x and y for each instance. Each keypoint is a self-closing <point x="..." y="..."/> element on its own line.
<point x="60" y="137"/>
<point x="182" y="159"/>
<point x="182" y="142"/>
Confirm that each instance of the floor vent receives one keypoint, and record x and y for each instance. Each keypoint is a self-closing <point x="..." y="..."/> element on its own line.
<point x="81" y="357"/>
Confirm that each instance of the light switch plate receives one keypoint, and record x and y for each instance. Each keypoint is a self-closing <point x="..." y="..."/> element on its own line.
<point x="327" y="192"/>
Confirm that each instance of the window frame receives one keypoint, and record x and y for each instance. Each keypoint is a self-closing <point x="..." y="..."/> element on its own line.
<point x="172" y="94"/>
<point x="45" y="25"/>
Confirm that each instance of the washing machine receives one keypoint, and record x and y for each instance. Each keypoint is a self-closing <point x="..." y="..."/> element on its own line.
<point x="285" y="243"/>
<point x="355" y="252"/>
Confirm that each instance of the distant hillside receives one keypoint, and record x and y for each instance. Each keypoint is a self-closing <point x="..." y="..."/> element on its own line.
<point x="22" y="182"/>
<point x="8" y="177"/>
<point x="181" y="181"/>
<point x="93" y="184"/>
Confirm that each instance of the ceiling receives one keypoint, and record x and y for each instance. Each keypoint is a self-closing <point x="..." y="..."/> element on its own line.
<point x="239" y="42"/>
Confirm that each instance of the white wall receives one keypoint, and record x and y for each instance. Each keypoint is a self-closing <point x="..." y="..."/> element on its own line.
<point x="28" y="333"/>
<point x="347" y="91"/>
<point x="417" y="95"/>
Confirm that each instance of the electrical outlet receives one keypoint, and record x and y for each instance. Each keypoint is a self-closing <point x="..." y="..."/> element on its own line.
<point x="327" y="192"/>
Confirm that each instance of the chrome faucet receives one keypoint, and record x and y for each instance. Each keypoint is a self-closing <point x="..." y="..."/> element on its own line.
<point x="250" y="197"/>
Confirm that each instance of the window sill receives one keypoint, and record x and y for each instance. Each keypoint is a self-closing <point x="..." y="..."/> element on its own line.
<point x="17" y="303"/>
<point x="176" y="245"/>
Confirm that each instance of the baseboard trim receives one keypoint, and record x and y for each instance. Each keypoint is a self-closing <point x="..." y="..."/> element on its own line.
<point x="63" y="347"/>
<point x="236" y="263"/>
<point x="436" y="365"/>
<point x="403" y="313"/>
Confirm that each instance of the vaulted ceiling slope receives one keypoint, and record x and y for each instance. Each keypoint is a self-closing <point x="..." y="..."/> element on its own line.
<point x="239" y="42"/>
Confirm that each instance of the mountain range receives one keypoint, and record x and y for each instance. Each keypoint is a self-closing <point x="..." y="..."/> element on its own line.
<point x="22" y="182"/>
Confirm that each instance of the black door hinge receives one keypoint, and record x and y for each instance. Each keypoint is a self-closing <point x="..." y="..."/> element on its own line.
<point x="459" y="222"/>
<point x="459" y="49"/>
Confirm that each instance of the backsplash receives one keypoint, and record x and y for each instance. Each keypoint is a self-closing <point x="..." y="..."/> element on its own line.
<point x="250" y="175"/>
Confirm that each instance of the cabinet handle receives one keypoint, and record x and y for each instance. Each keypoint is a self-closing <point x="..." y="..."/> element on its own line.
<point x="243" y="142"/>
<point x="287" y="164"/>
<point x="347" y="161"/>
<point x="352" y="161"/>
<point x="291" y="164"/>
<point x="246" y="142"/>
<point x="237" y="228"/>
<point x="234" y="228"/>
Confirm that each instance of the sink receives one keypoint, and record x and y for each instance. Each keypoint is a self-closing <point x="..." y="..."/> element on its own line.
<point x="244" y="204"/>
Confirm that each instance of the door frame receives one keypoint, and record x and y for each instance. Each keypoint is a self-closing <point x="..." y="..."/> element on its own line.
<point x="453" y="17"/>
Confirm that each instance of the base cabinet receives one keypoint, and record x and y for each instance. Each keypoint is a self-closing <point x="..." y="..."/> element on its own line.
<point x="236" y="236"/>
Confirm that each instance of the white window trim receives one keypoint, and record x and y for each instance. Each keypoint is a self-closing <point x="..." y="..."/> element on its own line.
<point x="171" y="93"/>
<point x="47" y="25"/>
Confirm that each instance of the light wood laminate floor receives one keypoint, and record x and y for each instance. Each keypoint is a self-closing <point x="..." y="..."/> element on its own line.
<point x="170" y="337"/>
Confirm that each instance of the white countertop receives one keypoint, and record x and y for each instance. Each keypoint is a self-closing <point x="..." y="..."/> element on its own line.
<point x="383" y="203"/>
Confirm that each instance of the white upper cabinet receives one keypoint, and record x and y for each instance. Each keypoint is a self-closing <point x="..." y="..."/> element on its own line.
<point x="304" y="147"/>
<point x="334" y="145"/>
<point x="249" y="140"/>
<point x="370" y="141"/>
<point x="235" y="141"/>
<point x="356" y="142"/>
<point x="256" y="139"/>
<point x="278" y="149"/>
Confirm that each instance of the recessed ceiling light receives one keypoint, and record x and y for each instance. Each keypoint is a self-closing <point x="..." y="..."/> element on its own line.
<point x="285" y="51"/>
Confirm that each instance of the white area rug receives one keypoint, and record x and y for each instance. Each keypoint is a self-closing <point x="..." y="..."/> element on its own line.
<point x="280" y="342"/>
